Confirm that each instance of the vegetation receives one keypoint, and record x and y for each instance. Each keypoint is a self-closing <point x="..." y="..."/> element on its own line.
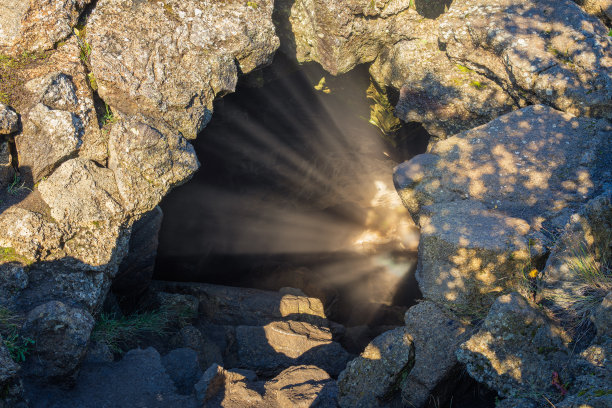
<point x="108" y="117"/>
<point x="80" y="31"/>
<point x="16" y="186"/>
<point x="252" y="4"/>
<point x="10" y="78"/>
<point x="17" y="345"/>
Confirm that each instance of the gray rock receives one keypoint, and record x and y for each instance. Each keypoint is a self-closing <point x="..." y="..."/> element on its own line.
<point x="598" y="8"/>
<point x="517" y="349"/>
<point x="9" y="379"/>
<point x="208" y="351"/>
<point x="81" y="193"/>
<point x="98" y="352"/>
<point x="602" y="317"/>
<point x="436" y="335"/>
<point x="13" y="279"/>
<point x="29" y="234"/>
<point x="60" y="93"/>
<point x="136" y="268"/>
<point x="301" y="386"/>
<point x="6" y="164"/>
<point x="185" y="306"/>
<point x="278" y="345"/>
<point x="9" y="120"/>
<point x="36" y="26"/>
<point x="170" y="61"/>
<point x="8" y="368"/>
<point x="61" y="334"/>
<point x="148" y="162"/>
<point x="183" y="368"/>
<point x="49" y="138"/>
<point x="378" y="371"/>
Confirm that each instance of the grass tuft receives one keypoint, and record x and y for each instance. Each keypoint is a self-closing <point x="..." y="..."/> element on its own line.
<point x="17" y="345"/>
<point x="119" y="333"/>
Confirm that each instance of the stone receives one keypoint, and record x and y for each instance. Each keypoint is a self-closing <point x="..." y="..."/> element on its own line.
<point x="436" y="335"/>
<point x="226" y="388"/>
<point x="49" y="138"/>
<point x="6" y="164"/>
<point x="13" y="279"/>
<point x="81" y="193"/>
<point x="598" y="8"/>
<point x="147" y="163"/>
<point x="136" y="269"/>
<point x="602" y="317"/>
<point x="373" y="376"/>
<point x="29" y="234"/>
<point x="170" y="60"/>
<point x="278" y="345"/>
<point x="183" y="368"/>
<point x="98" y="352"/>
<point x="301" y="386"/>
<point x="60" y="92"/>
<point x="61" y="334"/>
<point x="516" y="350"/>
<point x="9" y="378"/>
<point x="9" y="120"/>
<point x="8" y="368"/>
<point x="36" y="25"/>
<point x="185" y="306"/>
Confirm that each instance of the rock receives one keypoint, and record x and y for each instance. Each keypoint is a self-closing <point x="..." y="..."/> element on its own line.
<point x="222" y="388"/>
<point x="226" y="305"/>
<point x="377" y="372"/>
<point x="9" y="380"/>
<point x="9" y="120"/>
<point x="8" y="368"/>
<point x="602" y="317"/>
<point x="340" y="35"/>
<point x="468" y="264"/>
<point x="38" y="25"/>
<point x="516" y="350"/>
<point x="182" y="367"/>
<point x="148" y="163"/>
<point x="61" y="334"/>
<point x="436" y="336"/>
<point x="98" y="352"/>
<point x="29" y="234"/>
<point x="13" y="279"/>
<point x="278" y="345"/>
<point x="6" y="164"/>
<point x="185" y="306"/>
<point x="138" y="380"/>
<point x="302" y="386"/>
<point x="169" y="61"/>
<point x="81" y="193"/>
<point x="49" y="138"/>
<point x="136" y="269"/>
<point x="598" y="8"/>
<point x="551" y="51"/>
<point x="514" y="164"/>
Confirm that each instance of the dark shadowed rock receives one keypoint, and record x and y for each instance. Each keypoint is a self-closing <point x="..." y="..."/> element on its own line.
<point x="301" y="386"/>
<point x="8" y="368"/>
<point x="9" y="120"/>
<point x="6" y="164"/>
<point x="376" y="374"/>
<point x="436" y="335"/>
<point x="209" y="352"/>
<point x="170" y="60"/>
<point x="61" y="334"/>
<point x="13" y="279"/>
<point x="183" y="368"/>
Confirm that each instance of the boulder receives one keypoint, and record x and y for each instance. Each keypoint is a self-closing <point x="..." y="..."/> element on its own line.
<point x="61" y="334"/>
<point x="278" y="345"/>
<point x="13" y="279"/>
<point x="6" y="164"/>
<point x="517" y="349"/>
<point x="36" y="25"/>
<point x="9" y="379"/>
<point x="183" y="368"/>
<point x="598" y="8"/>
<point x="29" y="235"/>
<point x="226" y="388"/>
<point x="170" y="60"/>
<point x="49" y="138"/>
<point x="377" y="373"/>
<point x="147" y="162"/>
<point x="208" y="351"/>
<point x="9" y="120"/>
<point x="301" y="387"/>
<point x="436" y="335"/>
<point x="602" y="317"/>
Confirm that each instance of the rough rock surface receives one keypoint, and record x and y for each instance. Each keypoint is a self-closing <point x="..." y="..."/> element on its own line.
<point x="9" y="120"/>
<point x="170" y="60"/>
<point x="61" y="333"/>
<point x="36" y="25"/>
<point x="277" y="345"/>
<point x="6" y="164"/>
<point x="182" y="367"/>
<point x="599" y="8"/>
<point x="377" y="372"/>
<point x="436" y="335"/>
<point x="8" y="368"/>
<point x="147" y="163"/>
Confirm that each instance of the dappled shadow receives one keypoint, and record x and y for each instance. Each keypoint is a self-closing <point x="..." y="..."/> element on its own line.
<point x="432" y="9"/>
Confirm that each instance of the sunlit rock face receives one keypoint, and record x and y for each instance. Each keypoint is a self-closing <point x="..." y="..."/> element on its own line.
<point x="169" y="60"/>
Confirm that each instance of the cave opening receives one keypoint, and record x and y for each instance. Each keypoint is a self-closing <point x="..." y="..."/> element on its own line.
<point x="295" y="190"/>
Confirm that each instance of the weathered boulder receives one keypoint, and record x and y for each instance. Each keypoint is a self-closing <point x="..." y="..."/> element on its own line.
<point x="182" y="367"/>
<point x="170" y="60"/>
<point x="517" y="349"/>
<point x="36" y="25"/>
<point x="61" y="334"/>
<point x="301" y="386"/>
<point x="226" y="388"/>
<point x="377" y="373"/>
<point x="49" y="138"/>
<point x="9" y="120"/>
<point x="6" y="164"/>
<point x="436" y="336"/>
<point x="13" y="279"/>
<point x="278" y="345"/>
<point x="598" y="8"/>
<point x="147" y="163"/>
<point x="29" y="234"/>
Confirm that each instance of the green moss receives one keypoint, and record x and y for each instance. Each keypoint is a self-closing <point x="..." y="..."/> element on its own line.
<point x="252" y="5"/>
<point x="477" y="84"/>
<point x="601" y="393"/>
<point x="464" y="69"/>
<point x="10" y="78"/>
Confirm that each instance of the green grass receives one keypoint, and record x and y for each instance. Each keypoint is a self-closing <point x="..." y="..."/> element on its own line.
<point x="17" y="345"/>
<point x="17" y="186"/>
<point x="108" y="117"/>
<point x="119" y="333"/>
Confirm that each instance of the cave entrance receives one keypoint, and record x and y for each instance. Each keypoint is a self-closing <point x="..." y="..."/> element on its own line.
<point x="295" y="190"/>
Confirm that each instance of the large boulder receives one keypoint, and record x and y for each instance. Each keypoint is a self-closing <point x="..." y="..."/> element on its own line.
<point x="36" y="25"/>
<point x="169" y="60"/>
<point x="376" y="374"/>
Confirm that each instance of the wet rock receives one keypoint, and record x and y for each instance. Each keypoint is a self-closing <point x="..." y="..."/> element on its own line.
<point x="36" y="26"/>
<point x="302" y="386"/>
<point x="81" y="193"/>
<point x="49" y="138"/>
<point x="147" y="163"/>
<point x="376" y="374"/>
<point x="551" y="51"/>
<point x="516" y="350"/>
<point x="278" y="345"/>
<point x="170" y="60"/>
<point x="9" y="120"/>
<point x="61" y="334"/>
<point x="136" y="269"/>
<point x="183" y="368"/>
<point x="436" y="335"/>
